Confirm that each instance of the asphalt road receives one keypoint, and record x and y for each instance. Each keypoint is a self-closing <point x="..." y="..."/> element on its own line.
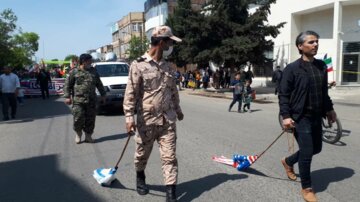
<point x="39" y="160"/>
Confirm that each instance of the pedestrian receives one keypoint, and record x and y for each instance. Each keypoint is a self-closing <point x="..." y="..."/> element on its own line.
<point x="178" y="79"/>
<point x="227" y="77"/>
<point x="9" y="85"/>
<point x="206" y="80"/>
<point x="247" y="96"/>
<point x="238" y="88"/>
<point x="198" y="79"/>
<point x="216" y="79"/>
<point x="276" y="78"/>
<point x="82" y="83"/>
<point x="151" y="91"/>
<point x="43" y="78"/>
<point x="304" y="100"/>
<point x="20" y="96"/>
<point x="249" y="75"/>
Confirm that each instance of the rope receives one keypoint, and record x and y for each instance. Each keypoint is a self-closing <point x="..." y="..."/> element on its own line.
<point x="271" y="144"/>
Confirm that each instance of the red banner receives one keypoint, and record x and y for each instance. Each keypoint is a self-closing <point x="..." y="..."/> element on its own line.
<point x="55" y="87"/>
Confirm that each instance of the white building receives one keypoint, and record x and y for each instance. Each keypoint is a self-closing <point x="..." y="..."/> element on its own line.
<point x="338" y="24"/>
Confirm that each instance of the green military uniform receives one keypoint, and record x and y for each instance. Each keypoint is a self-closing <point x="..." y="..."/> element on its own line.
<point x="81" y="84"/>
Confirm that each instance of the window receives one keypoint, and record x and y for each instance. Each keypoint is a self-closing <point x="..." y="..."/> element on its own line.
<point x="135" y="27"/>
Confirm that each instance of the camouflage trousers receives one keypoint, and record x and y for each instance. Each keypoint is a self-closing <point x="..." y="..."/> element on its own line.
<point x="165" y="136"/>
<point x="84" y="117"/>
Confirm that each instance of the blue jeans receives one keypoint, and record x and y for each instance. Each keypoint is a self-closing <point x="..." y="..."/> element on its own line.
<point x="308" y="133"/>
<point x="236" y="98"/>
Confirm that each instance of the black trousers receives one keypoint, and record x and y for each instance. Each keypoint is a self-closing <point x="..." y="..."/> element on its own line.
<point x="8" y="99"/>
<point x="44" y="90"/>
<point x="308" y="133"/>
<point x="236" y="98"/>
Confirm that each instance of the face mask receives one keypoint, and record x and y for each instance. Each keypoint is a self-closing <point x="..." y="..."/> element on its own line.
<point x="168" y="52"/>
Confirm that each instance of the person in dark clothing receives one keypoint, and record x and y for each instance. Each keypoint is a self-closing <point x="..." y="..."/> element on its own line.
<point x="247" y="96"/>
<point x="276" y="78"/>
<point x="227" y="77"/>
<point x="249" y="75"/>
<point x="44" y="79"/>
<point x="304" y="100"/>
<point x="238" y="88"/>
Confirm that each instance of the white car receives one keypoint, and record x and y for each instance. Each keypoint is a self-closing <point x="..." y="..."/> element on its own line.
<point x="114" y="76"/>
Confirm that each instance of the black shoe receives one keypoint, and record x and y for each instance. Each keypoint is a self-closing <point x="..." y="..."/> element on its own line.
<point x="6" y="118"/>
<point x="171" y="193"/>
<point x="244" y="110"/>
<point x="229" y="109"/>
<point x="141" y="186"/>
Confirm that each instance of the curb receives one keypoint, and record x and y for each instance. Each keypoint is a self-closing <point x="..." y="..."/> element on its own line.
<point x="260" y="99"/>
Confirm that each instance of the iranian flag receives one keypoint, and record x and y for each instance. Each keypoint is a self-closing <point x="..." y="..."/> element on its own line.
<point x="328" y="63"/>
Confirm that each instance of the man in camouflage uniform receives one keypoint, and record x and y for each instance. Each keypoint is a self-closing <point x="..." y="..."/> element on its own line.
<point x="151" y="89"/>
<point x="81" y="84"/>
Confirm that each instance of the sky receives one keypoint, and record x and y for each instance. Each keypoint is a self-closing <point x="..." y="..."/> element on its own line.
<point x="70" y="26"/>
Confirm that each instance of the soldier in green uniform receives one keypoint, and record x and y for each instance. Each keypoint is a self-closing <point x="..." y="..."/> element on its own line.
<point x="82" y="83"/>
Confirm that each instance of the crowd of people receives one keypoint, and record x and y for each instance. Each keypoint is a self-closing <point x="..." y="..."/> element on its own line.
<point x="206" y="78"/>
<point x="303" y="101"/>
<point x="12" y="93"/>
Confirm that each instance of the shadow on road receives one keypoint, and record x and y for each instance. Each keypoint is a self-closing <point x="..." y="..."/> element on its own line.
<point x="38" y="179"/>
<point x="111" y="137"/>
<point x="258" y="173"/>
<point x="191" y="190"/>
<point x="37" y="108"/>
<point x="322" y="178"/>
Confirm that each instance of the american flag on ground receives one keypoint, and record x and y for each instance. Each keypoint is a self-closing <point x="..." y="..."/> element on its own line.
<point x="240" y="162"/>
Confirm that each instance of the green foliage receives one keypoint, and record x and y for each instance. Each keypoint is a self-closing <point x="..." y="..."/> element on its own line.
<point x="70" y="57"/>
<point x="16" y="48"/>
<point x="137" y="47"/>
<point x="224" y="32"/>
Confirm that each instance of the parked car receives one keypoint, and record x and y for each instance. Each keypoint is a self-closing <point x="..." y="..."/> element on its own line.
<point x="114" y="76"/>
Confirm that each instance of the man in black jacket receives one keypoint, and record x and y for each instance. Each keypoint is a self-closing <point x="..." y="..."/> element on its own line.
<point x="43" y="78"/>
<point x="304" y="100"/>
<point x="276" y="78"/>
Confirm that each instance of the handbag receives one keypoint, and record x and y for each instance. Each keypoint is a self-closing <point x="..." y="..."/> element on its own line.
<point x="253" y="95"/>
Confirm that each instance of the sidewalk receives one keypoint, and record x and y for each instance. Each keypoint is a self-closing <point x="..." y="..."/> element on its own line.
<point x="266" y="94"/>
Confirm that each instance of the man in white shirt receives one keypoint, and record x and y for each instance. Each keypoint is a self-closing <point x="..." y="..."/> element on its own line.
<point x="9" y="86"/>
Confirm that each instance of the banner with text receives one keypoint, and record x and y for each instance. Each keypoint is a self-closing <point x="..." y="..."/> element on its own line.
<point x="31" y="88"/>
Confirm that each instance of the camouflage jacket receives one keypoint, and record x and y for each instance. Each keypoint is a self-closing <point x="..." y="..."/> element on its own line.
<point x="151" y="88"/>
<point x="82" y="85"/>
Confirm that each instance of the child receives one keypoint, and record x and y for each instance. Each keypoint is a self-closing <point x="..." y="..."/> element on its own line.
<point x="238" y="88"/>
<point x="247" y="96"/>
<point x="20" y="96"/>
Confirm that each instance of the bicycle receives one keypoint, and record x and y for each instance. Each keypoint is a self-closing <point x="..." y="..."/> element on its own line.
<point x="332" y="132"/>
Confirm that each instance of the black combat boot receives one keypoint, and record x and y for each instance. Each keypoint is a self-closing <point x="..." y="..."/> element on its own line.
<point x="171" y="193"/>
<point x="141" y="186"/>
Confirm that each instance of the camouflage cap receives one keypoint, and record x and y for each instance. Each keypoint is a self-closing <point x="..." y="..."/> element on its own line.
<point x="164" y="31"/>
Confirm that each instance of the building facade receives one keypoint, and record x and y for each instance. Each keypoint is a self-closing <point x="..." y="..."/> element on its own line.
<point x="157" y="12"/>
<point x="122" y="31"/>
<point x="338" y="24"/>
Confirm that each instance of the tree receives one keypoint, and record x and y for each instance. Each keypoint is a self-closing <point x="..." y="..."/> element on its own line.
<point x="16" y="49"/>
<point x="187" y="25"/>
<point x="7" y="27"/>
<point x="137" y="47"/>
<point x="224" y="32"/>
<point x="24" y="47"/>
<point x="70" y="57"/>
